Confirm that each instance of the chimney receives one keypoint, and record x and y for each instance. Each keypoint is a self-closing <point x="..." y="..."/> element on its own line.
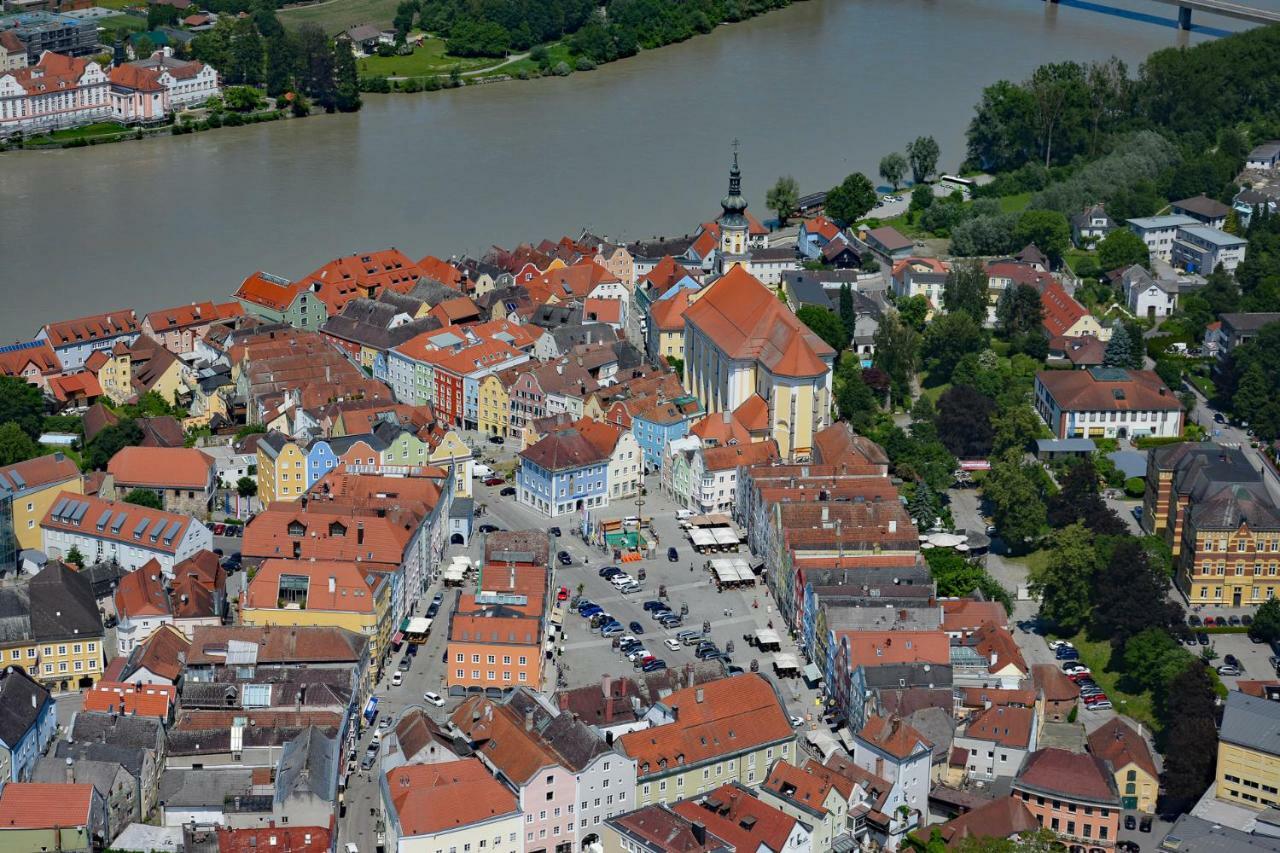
<point x="359" y="532"/>
<point x="70" y="773"/>
<point x="528" y="720"/>
<point x="699" y="831"/>
<point x="697" y="696"/>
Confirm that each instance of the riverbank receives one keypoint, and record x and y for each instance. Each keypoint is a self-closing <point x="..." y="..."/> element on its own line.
<point x="106" y="133"/>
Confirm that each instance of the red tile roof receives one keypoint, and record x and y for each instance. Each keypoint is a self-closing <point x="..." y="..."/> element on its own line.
<point x="1071" y="775"/>
<point x="44" y="805"/>
<point x="437" y="270"/>
<point x="967" y="614"/>
<point x="57" y="73"/>
<point x="1007" y="726"/>
<point x="142" y="593"/>
<point x="663" y="829"/>
<point x="1054" y="684"/>
<point x="734" y="456"/>
<point x="735" y="814"/>
<point x="162" y="467"/>
<point x="143" y="700"/>
<point x="16" y="358"/>
<point x="804" y="787"/>
<point x="1115" y="741"/>
<point x="195" y="314"/>
<point x="164" y="653"/>
<point x="602" y="310"/>
<point x="343" y="279"/>
<point x="276" y="839"/>
<point x="334" y="586"/>
<point x="1130" y="390"/>
<point x="1000" y="818"/>
<point x="136" y="78"/>
<point x="42" y="471"/>
<point x="731" y="715"/>
<point x="154" y="535"/>
<point x="268" y="291"/>
<point x="300" y="645"/>
<point x="94" y="328"/>
<point x="745" y="320"/>
<point x="668" y="314"/>
<point x="1061" y="310"/>
<point x="572" y="282"/>
<point x="823" y="227"/>
<point x="434" y="798"/>
<point x="894" y="736"/>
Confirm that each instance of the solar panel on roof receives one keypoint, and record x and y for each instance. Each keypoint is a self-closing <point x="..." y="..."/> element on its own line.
<point x="139" y="527"/>
<point x="156" y="528"/>
<point x="103" y="519"/>
<point x="118" y="522"/>
<point x="174" y="527"/>
<point x="78" y="514"/>
<point x="18" y="478"/>
<point x="5" y="484"/>
<point x="59" y="507"/>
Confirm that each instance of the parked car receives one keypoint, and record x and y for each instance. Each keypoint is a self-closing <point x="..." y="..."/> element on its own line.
<point x="670" y="620"/>
<point x="1072" y="666"/>
<point x="690" y="638"/>
<point x="1104" y="705"/>
<point x="1233" y="621"/>
<point x="654" y="665"/>
<point x="555" y="531"/>
<point x="1246" y="620"/>
<point x="497" y="439"/>
<point x="219" y="528"/>
<point x="1144" y="825"/>
<point x="563" y="594"/>
<point x="403" y="666"/>
<point x="1193" y="620"/>
<point x="1202" y="638"/>
<point x="1059" y="644"/>
<point x="564" y="558"/>
<point x="613" y="629"/>
<point x="508" y="492"/>
<point x="609" y="571"/>
<point x="1232" y="660"/>
<point x="654" y="604"/>
<point x="488" y="528"/>
<point x="397" y="678"/>
<point x="657" y="615"/>
<point x="1233" y="671"/>
<point x="673" y="555"/>
<point x="494" y="481"/>
<point x="672" y="644"/>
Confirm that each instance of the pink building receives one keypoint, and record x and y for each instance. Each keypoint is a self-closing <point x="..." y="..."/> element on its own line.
<point x="58" y="91"/>
<point x="137" y="95"/>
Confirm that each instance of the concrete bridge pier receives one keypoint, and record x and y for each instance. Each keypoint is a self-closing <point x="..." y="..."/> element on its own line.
<point x="1184" y="17"/>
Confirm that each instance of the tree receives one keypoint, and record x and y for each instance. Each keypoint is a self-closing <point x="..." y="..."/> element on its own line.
<point x="782" y="197"/>
<point x="1063" y="583"/>
<point x="21" y="403"/>
<point x="143" y="46"/>
<point x="144" y="497"/>
<point x="1119" y="352"/>
<point x="964" y="422"/>
<point x="965" y="290"/>
<point x="987" y="234"/>
<point x="246" y="487"/>
<point x="161" y="15"/>
<point x="1122" y="249"/>
<point x="1266" y="622"/>
<point x="1079" y="500"/>
<point x="923" y="154"/>
<point x="74" y="558"/>
<point x="924" y="506"/>
<point x="1129" y="595"/>
<point x="109" y="441"/>
<point x="279" y="64"/>
<point x="241" y="99"/>
<point x="315" y="64"/>
<point x="1048" y="230"/>
<point x="855" y="401"/>
<point x="1014" y="428"/>
<point x="957" y="577"/>
<point x="346" y="79"/>
<point x="913" y="310"/>
<point x="921" y="198"/>
<point x="851" y="199"/>
<point x="1001" y="135"/>
<point x="893" y="166"/>
<point x="948" y="339"/>
<point x="825" y="325"/>
<point x="1190" y="736"/>
<point x="16" y="445"/>
<point x="848" y="316"/>
<point x="897" y="351"/>
<point x="246" y="54"/>
<point x="1019" y="311"/>
<point x="1153" y="658"/>
<point x="1015" y="495"/>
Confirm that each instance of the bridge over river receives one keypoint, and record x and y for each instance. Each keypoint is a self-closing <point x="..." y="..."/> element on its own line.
<point x="1219" y="7"/>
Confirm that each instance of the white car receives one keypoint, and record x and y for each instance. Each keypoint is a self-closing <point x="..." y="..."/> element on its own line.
<point x="397" y="678"/>
<point x="797" y="722"/>
<point x="639" y="654"/>
<point x="385" y="722"/>
<point x="434" y="699"/>
<point x="672" y="643"/>
<point x="1060" y="644"/>
<point x="1075" y="670"/>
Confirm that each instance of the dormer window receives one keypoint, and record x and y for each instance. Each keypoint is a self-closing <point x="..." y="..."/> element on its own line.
<point x="297" y="528"/>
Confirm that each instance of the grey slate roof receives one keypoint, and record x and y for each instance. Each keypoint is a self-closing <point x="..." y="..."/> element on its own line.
<point x="567" y="337"/>
<point x="432" y="292"/>
<point x="21" y="699"/>
<point x="1252" y="723"/>
<point x="131" y="758"/>
<point x="58" y="603"/>
<point x="555" y="316"/>
<point x="100" y="774"/>
<point x="308" y="764"/>
<point x="196" y="788"/>
<point x="135" y="732"/>
<point x="367" y="322"/>
<point x="1195" y="835"/>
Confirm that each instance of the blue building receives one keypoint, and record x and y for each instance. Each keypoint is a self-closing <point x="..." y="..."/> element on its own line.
<point x="27" y="723"/>
<point x="75" y="340"/>
<point x="563" y="473"/>
<point x="656" y="422"/>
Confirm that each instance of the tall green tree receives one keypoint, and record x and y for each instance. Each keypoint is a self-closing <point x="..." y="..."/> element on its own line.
<point x="923" y="153"/>
<point x="1129" y="595"/>
<point x="23" y="404"/>
<point x="897" y="351"/>
<point x="924" y="506"/>
<point x="280" y="64"/>
<point x="893" y="167"/>
<point x="1016" y="498"/>
<point x="315" y="64"/>
<point x="246" y="54"/>
<point x="948" y="339"/>
<point x="1266" y="622"/>
<point x="1190" y="736"/>
<point x="16" y="445"/>
<point x="850" y="200"/>
<point x="1014" y="428"/>
<point x="1048" y="230"/>
<point x="848" y="316"/>
<point x="144" y="497"/>
<point x="1064" y="581"/>
<point x="964" y="422"/>
<point x="346" y="80"/>
<point x="855" y="401"/>
<point x="1019" y="311"/>
<point x="1122" y="249"/>
<point x="782" y="197"/>
<point x="965" y="290"/>
<point x="1119" y="352"/>
<point x="825" y="325"/>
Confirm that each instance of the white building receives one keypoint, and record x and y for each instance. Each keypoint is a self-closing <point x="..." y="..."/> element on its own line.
<point x="1159" y="232"/>
<point x="130" y="535"/>
<point x="996" y="741"/>
<point x="188" y="83"/>
<point x="897" y="753"/>
<point x="451" y="805"/>
<point x="1265" y="157"/>
<point x="1148" y="297"/>
<point x="57" y="92"/>
<point x="1107" y="402"/>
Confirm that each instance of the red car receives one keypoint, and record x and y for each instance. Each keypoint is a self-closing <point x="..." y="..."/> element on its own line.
<point x="219" y="528"/>
<point x="494" y="481"/>
<point x="563" y="594"/>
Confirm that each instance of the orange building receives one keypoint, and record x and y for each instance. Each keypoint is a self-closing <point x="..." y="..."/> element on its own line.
<point x="1072" y="794"/>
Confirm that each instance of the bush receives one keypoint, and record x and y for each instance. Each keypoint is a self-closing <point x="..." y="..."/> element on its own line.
<point x="1134" y="487"/>
<point x="584" y="64"/>
<point x="1075" y="712"/>
<point x="562" y="69"/>
<point x="1146" y="442"/>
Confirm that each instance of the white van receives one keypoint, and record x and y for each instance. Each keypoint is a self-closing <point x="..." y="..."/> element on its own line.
<point x="682" y="514"/>
<point x="479" y="469"/>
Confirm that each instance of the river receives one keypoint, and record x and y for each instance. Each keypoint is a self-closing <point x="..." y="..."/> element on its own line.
<point x="636" y="148"/>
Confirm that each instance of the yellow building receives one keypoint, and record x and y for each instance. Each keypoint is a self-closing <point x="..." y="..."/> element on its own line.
<point x="493" y="406"/>
<point x="112" y="370"/>
<point x="731" y="730"/>
<point x="452" y="450"/>
<point x="742" y="345"/>
<point x="33" y="485"/>
<point x="320" y="594"/>
<point x="1249" y="752"/>
<point x="1129" y="756"/>
<point x="282" y="469"/>
<point x="63" y="651"/>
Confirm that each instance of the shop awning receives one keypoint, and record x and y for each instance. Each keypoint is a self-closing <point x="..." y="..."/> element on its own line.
<point x="812" y="672"/>
<point x="418" y="625"/>
<point x="785" y="660"/>
<point x="455" y="572"/>
<point x="767" y="636"/>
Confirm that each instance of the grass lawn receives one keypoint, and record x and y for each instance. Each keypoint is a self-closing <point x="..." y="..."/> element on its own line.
<point x="428" y="59"/>
<point x="334" y="16"/>
<point x="1074" y="256"/>
<point x="1203" y="383"/>
<point x="931" y="388"/>
<point x="556" y="53"/>
<point x="1096" y="656"/>
<point x="105" y="128"/>
<point x="123" y="23"/>
<point x="119" y="4"/>
<point x="1014" y="203"/>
